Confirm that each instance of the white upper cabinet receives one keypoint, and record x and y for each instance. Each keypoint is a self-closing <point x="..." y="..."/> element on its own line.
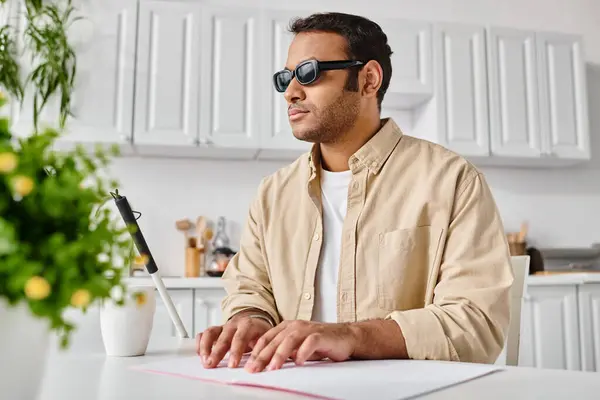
<point x="276" y="132"/>
<point x="231" y="59"/>
<point x="461" y="88"/>
<point x="513" y="93"/>
<point x="563" y="96"/>
<point x="103" y="98"/>
<point x="102" y="101"/>
<point x="412" y="71"/>
<point x="186" y="77"/>
<point x="167" y="77"/>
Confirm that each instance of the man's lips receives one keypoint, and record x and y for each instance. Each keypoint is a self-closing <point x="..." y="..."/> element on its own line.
<point x="295" y="114"/>
<point x="295" y="111"/>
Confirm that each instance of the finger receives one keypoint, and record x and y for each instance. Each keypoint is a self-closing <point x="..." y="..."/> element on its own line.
<point x="207" y="339"/>
<point x="265" y="339"/>
<point x="258" y="363"/>
<point x="198" y="339"/>
<point x="221" y="347"/>
<point x="314" y="357"/>
<point x="239" y="343"/>
<point x="307" y="351"/>
<point x="291" y="343"/>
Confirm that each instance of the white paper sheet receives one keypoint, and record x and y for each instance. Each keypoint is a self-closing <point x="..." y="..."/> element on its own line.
<point x="383" y="379"/>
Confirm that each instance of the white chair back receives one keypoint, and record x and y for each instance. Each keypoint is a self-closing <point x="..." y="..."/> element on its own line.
<point x="510" y="353"/>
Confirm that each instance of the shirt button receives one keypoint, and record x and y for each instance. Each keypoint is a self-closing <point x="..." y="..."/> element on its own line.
<point x="317" y="237"/>
<point x="307" y="296"/>
<point x="355" y="185"/>
<point x="374" y="164"/>
<point x="344" y="296"/>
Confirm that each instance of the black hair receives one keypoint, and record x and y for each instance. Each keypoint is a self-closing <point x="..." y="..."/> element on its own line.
<point x="365" y="41"/>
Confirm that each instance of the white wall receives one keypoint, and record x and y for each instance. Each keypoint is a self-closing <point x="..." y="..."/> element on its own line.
<point x="562" y="206"/>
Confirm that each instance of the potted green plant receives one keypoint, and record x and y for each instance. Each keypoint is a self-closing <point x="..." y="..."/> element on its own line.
<point x="60" y="247"/>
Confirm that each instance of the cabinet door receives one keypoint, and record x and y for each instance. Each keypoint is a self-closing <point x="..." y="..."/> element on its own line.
<point x="276" y="131"/>
<point x="514" y="105"/>
<point x="167" y="75"/>
<point x="231" y="61"/>
<point x="411" y="83"/>
<point x="589" y="320"/>
<point x="462" y="95"/>
<point x="207" y="308"/>
<point x="550" y="332"/>
<point x="183" y="300"/>
<point x="102" y="100"/>
<point x="563" y="96"/>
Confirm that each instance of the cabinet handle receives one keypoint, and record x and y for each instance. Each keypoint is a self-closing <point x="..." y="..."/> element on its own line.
<point x="205" y="141"/>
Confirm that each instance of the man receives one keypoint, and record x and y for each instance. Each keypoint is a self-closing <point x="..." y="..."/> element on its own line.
<point x="375" y="244"/>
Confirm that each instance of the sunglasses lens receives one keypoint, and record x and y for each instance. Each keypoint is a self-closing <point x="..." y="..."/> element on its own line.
<point x="282" y="79"/>
<point x="306" y="73"/>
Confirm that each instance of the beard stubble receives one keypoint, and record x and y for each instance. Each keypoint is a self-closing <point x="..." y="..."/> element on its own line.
<point x="333" y="121"/>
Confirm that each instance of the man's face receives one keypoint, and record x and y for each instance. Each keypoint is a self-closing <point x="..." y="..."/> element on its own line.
<point x="322" y="111"/>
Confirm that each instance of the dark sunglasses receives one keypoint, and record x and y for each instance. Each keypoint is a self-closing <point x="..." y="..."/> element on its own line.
<point x="308" y="71"/>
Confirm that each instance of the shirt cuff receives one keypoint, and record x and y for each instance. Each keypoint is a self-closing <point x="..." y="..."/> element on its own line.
<point x="424" y="336"/>
<point x="241" y="303"/>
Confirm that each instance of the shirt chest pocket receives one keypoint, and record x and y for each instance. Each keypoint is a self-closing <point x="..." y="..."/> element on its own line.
<point x="406" y="258"/>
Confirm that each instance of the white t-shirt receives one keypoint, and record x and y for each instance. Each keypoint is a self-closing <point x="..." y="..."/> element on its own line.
<point x="334" y="189"/>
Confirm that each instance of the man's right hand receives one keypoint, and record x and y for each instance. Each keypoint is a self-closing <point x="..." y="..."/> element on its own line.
<point x="238" y="336"/>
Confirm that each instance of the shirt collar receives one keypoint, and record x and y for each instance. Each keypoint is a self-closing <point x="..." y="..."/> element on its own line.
<point x="371" y="155"/>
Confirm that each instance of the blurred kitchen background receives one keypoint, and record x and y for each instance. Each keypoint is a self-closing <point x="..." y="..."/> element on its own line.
<point x="184" y="87"/>
<point x="559" y="203"/>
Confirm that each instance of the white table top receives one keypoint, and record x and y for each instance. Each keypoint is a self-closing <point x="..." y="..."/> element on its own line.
<point x="88" y="373"/>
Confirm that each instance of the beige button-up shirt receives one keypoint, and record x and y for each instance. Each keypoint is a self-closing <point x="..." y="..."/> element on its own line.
<point x="423" y="243"/>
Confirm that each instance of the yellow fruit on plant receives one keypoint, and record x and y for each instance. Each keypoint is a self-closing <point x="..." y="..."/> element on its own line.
<point x="140" y="299"/>
<point x="22" y="185"/>
<point x="81" y="298"/>
<point x="37" y="288"/>
<point x="8" y="162"/>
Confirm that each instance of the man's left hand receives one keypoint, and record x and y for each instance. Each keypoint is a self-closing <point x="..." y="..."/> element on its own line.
<point x="302" y="341"/>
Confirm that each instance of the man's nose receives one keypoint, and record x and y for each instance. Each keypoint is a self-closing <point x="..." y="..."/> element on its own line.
<point x="294" y="92"/>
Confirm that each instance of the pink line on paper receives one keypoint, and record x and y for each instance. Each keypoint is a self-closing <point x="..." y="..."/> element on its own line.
<point x="246" y="384"/>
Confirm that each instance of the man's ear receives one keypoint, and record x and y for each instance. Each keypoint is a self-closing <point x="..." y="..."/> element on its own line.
<point x="372" y="74"/>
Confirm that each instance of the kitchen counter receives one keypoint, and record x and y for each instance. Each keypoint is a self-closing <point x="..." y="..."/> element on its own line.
<point x="180" y="283"/>
<point x="216" y="283"/>
<point x="567" y="278"/>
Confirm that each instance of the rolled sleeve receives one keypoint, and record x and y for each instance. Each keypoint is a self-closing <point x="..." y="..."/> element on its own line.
<point x="468" y="317"/>
<point x="246" y="279"/>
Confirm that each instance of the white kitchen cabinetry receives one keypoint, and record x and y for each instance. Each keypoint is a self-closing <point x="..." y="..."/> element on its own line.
<point x="514" y="98"/>
<point x="538" y="100"/>
<point x="412" y="68"/>
<point x="461" y="88"/>
<point x="167" y="76"/>
<point x="102" y="101"/>
<point x="183" y="300"/>
<point x="207" y="308"/>
<point x="589" y="317"/>
<point x="563" y="95"/>
<point x="232" y="54"/>
<point x="550" y="332"/>
<point x="276" y="133"/>
<point x="160" y="75"/>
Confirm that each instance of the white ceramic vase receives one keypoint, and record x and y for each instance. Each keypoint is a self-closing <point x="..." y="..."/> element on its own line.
<point x="24" y="342"/>
<point x="126" y="329"/>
